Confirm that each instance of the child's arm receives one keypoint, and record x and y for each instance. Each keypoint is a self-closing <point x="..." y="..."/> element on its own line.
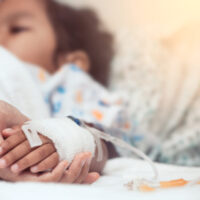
<point x="77" y="173"/>
<point x="97" y="166"/>
<point x="36" y="156"/>
<point x="9" y="117"/>
<point x="58" y="174"/>
<point x="16" y="147"/>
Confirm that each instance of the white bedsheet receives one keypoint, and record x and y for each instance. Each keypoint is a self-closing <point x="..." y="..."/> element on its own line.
<point x="110" y="186"/>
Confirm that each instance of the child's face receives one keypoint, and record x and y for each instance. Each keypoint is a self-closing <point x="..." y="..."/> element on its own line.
<point x="26" y="31"/>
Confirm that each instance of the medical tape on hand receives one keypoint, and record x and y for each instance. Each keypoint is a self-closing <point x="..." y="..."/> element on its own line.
<point x="72" y="136"/>
<point x="69" y="139"/>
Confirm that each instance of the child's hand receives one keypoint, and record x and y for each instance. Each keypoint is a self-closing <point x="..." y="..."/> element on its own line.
<point x="58" y="174"/>
<point x="54" y="176"/>
<point x="78" y="171"/>
<point x="16" y="149"/>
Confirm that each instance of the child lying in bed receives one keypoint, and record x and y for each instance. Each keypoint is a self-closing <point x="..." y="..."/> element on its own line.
<point x="27" y="24"/>
<point x="47" y="34"/>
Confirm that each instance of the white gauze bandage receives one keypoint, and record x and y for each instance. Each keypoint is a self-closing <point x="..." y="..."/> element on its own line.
<point x="69" y="138"/>
<point x="72" y="136"/>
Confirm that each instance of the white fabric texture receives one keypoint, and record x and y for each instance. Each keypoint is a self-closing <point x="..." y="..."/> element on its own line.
<point x="41" y="96"/>
<point x="69" y="138"/>
<point x="17" y="87"/>
<point x="21" y="90"/>
<point x="110" y="185"/>
<point x="70" y="91"/>
<point x="163" y="89"/>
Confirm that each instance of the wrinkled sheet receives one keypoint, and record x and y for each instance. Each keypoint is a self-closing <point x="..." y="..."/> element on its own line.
<point x="110" y="185"/>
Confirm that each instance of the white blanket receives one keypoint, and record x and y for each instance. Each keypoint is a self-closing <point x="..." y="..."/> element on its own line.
<point x="40" y="95"/>
<point x="69" y="91"/>
<point x="110" y="186"/>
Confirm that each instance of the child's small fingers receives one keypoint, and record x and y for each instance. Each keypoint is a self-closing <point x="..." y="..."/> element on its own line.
<point x="56" y="174"/>
<point x="84" y="172"/>
<point x="15" y="154"/>
<point x="1" y="139"/>
<point x="48" y="163"/>
<point x="10" y="131"/>
<point x="75" y="169"/>
<point x="91" y="178"/>
<point x="33" y="158"/>
<point x="73" y="172"/>
<point x="11" y="142"/>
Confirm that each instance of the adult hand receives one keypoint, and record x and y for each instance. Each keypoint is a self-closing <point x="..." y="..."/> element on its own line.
<point x="10" y="116"/>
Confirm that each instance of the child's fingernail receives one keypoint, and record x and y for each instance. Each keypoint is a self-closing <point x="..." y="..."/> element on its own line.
<point x="34" y="169"/>
<point x="2" y="163"/>
<point x="15" y="168"/>
<point x="8" y="130"/>
<point x="66" y="164"/>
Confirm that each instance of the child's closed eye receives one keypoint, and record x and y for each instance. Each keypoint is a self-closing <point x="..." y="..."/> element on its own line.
<point x="18" y="29"/>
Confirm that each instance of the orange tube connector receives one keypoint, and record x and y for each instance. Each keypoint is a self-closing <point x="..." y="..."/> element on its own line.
<point x="165" y="184"/>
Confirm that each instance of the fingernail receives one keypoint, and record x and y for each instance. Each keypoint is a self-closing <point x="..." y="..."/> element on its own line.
<point x="15" y="168"/>
<point x="66" y="165"/>
<point x="34" y="169"/>
<point x="8" y="130"/>
<point x="2" y="163"/>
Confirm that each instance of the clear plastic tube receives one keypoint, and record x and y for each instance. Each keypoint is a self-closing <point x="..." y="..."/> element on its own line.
<point x="122" y="144"/>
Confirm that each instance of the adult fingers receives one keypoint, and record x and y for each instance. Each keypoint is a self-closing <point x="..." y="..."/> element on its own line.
<point x="75" y="168"/>
<point x="11" y="142"/>
<point x="18" y="152"/>
<point x="1" y="139"/>
<point x="33" y="158"/>
<point x="10" y="131"/>
<point x="56" y="174"/>
<point x="91" y="178"/>
<point x="84" y="172"/>
<point x="48" y="163"/>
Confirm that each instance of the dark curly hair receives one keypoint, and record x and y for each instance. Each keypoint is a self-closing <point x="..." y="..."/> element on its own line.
<point x="80" y="29"/>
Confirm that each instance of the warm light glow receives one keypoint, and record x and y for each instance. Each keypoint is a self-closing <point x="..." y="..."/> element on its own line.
<point x="158" y="17"/>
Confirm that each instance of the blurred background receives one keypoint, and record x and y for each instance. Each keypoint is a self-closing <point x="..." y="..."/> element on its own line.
<point x="159" y="18"/>
<point x="153" y="27"/>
